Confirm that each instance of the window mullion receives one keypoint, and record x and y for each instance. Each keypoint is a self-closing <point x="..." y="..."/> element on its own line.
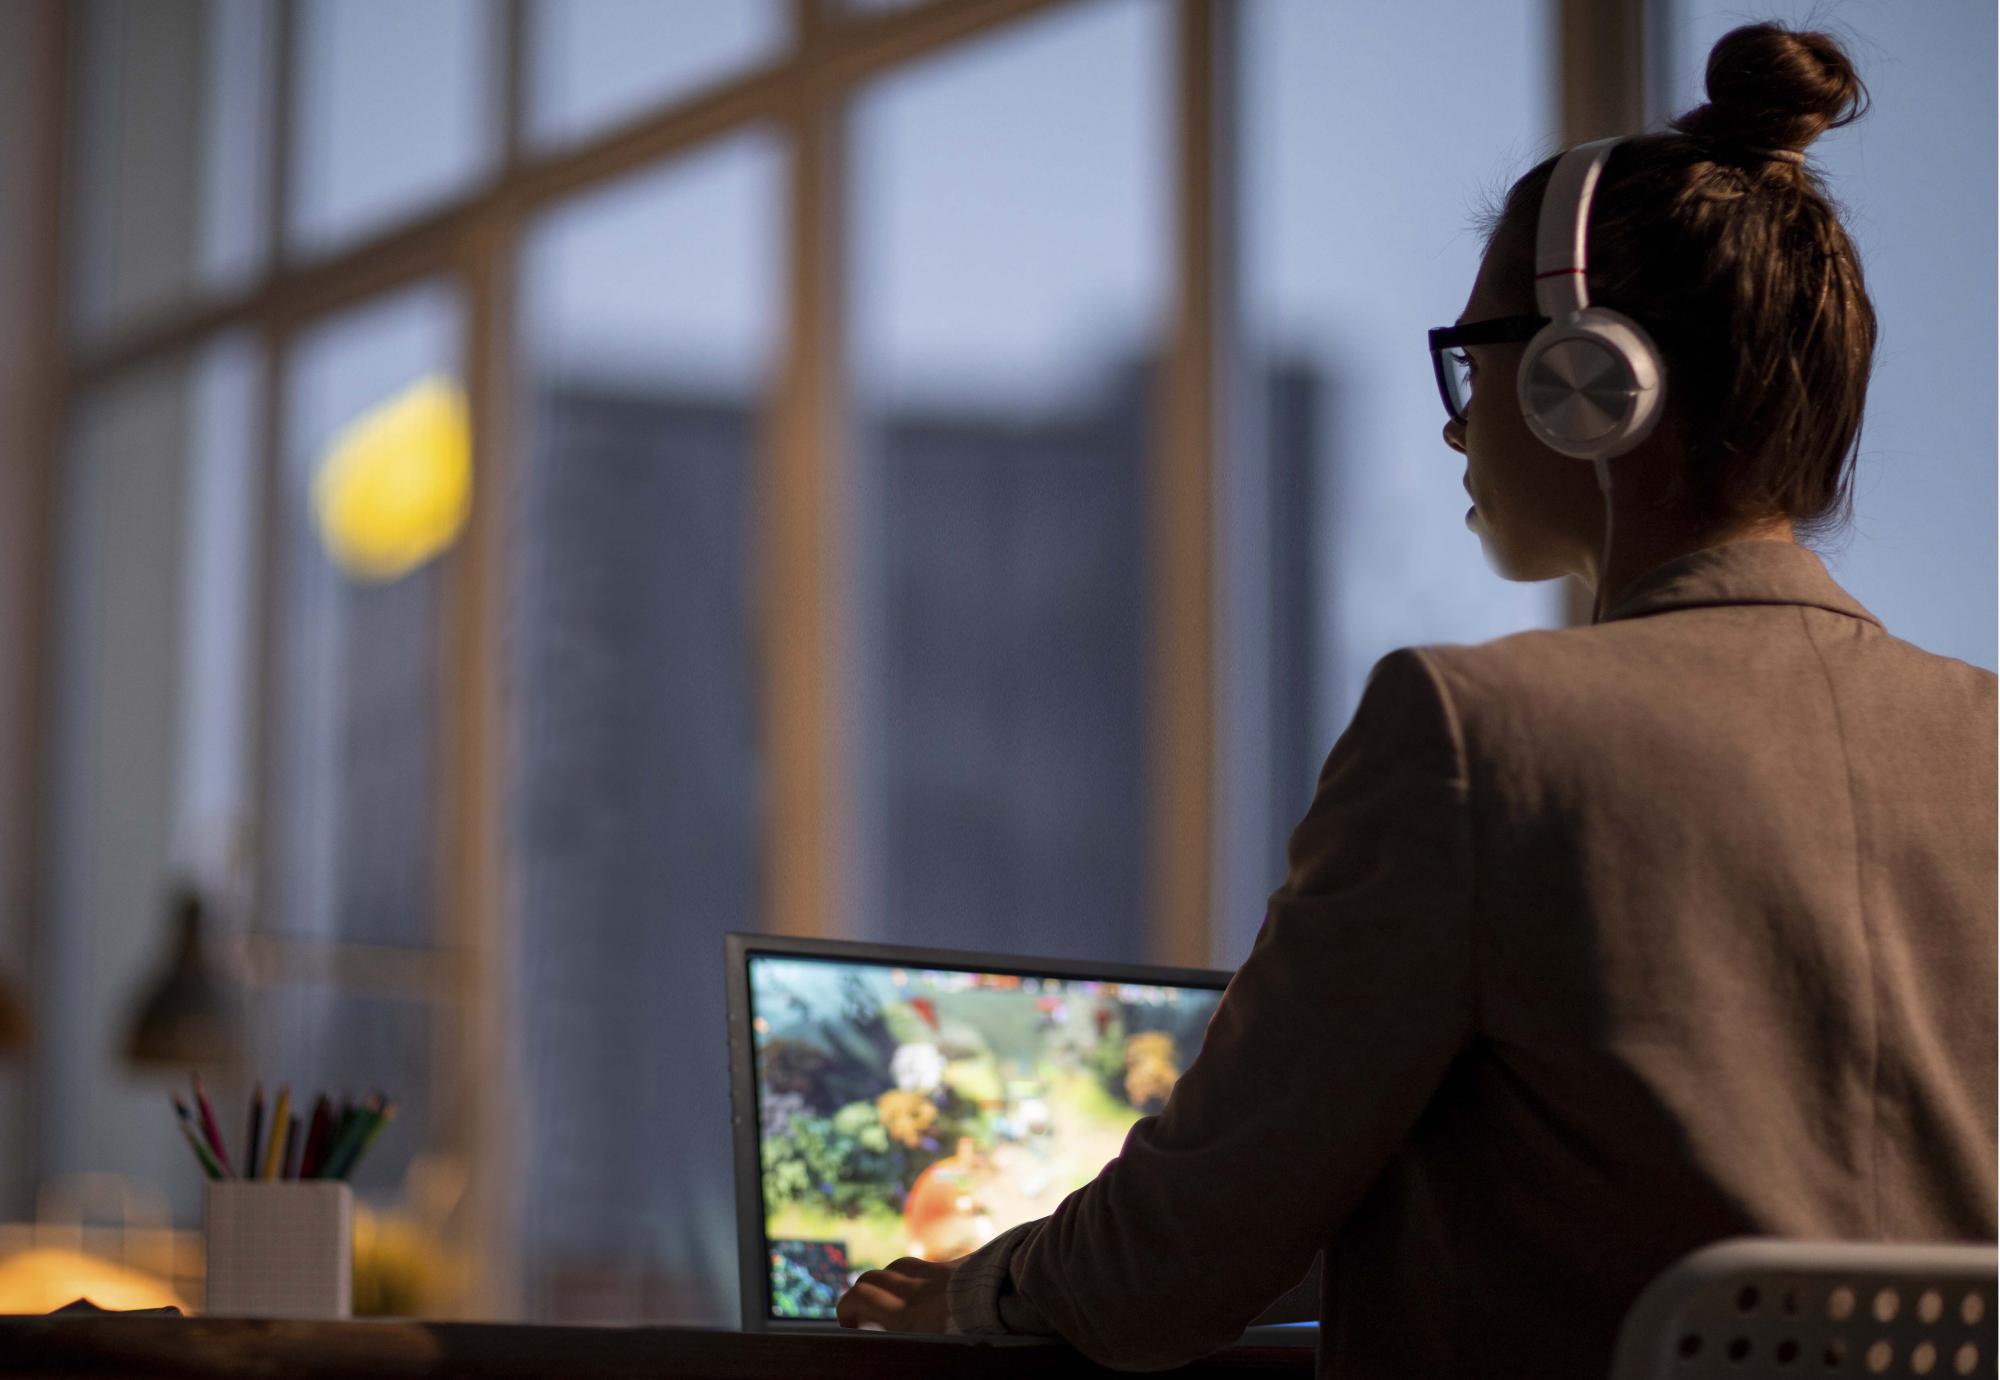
<point x="1182" y="740"/>
<point x="802" y="577"/>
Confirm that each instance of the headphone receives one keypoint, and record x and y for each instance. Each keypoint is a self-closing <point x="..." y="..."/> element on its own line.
<point x="1592" y="384"/>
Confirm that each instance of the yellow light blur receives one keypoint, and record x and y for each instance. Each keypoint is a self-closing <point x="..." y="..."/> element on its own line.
<point x="395" y="486"/>
<point x="43" y="1279"/>
<point x="402" y="1268"/>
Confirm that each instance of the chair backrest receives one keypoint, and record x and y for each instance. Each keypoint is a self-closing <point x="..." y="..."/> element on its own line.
<point x="1757" y="1309"/>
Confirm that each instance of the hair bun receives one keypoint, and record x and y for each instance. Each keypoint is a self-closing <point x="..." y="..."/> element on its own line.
<point x="1773" y="88"/>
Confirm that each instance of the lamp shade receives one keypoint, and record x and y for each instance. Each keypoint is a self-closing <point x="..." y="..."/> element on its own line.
<point x="187" y="1015"/>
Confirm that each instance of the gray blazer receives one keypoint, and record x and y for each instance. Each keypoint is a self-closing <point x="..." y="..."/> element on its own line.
<point x="1597" y="945"/>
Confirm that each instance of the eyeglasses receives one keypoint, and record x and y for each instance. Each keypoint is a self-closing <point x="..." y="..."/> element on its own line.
<point x="1454" y="369"/>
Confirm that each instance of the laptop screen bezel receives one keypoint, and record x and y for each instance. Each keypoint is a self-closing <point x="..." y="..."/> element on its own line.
<point x="753" y="1268"/>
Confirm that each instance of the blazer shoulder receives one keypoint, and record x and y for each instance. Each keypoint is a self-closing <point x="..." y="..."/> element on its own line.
<point x="1519" y="670"/>
<point x="1540" y="696"/>
<point x="1691" y="670"/>
<point x="1974" y="682"/>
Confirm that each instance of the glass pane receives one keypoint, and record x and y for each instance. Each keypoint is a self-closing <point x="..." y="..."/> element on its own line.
<point x="148" y="740"/>
<point x="394" y="111"/>
<point x="1358" y="488"/>
<point x="1010" y="272"/>
<point x="592" y="63"/>
<point x="213" y="802"/>
<point x="359" y="691"/>
<point x="1925" y="487"/>
<point x="171" y="152"/>
<point x="650" y="318"/>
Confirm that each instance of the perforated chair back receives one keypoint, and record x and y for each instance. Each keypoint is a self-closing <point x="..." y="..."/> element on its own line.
<point x="1756" y="1309"/>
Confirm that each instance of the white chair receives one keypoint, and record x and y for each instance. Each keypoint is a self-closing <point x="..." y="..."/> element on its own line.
<point x="1757" y="1309"/>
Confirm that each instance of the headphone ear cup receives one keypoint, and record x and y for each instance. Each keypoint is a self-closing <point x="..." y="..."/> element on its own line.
<point x="1591" y="386"/>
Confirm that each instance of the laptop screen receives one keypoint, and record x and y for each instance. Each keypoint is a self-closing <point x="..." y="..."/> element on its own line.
<point x="897" y="1102"/>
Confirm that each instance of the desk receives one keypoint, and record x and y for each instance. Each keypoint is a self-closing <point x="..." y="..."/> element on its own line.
<point x="239" y="1349"/>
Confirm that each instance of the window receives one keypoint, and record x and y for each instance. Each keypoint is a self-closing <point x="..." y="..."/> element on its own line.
<point x="148" y="782"/>
<point x="358" y="695"/>
<point x="1346" y="282"/>
<point x="649" y="328"/>
<point x="358" y="659"/>
<point x="394" y="111"/>
<point x="1010" y="263"/>
<point x="595" y="63"/>
<point x="170" y="148"/>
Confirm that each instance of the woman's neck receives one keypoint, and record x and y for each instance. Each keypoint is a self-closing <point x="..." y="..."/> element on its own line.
<point x="1639" y="546"/>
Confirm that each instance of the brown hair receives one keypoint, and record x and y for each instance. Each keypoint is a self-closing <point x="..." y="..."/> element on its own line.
<point x="1725" y="246"/>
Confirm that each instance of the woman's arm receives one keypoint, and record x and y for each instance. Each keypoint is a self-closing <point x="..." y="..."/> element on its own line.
<point x="1328" y="1043"/>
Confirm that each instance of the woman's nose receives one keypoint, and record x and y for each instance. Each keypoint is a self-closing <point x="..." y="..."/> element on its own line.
<point x="1454" y="435"/>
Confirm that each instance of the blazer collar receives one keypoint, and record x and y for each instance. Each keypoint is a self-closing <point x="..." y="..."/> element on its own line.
<point x="1743" y="572"/>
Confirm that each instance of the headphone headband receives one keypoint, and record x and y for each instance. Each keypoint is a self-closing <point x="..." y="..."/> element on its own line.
<point x="1560" y="238"/>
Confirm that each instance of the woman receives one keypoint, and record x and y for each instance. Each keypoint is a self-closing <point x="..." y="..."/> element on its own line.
<point x="1600" y="944"/>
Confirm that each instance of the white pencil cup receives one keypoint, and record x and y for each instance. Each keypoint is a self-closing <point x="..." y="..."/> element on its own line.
<point x="279" y="1248"/>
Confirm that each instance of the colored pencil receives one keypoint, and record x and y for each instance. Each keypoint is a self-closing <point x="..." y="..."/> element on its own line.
<point x="344" y="1145"/>
<point x="339" y="1124"/>
<point x="317" y="1131"/>
<point x="212" y="1131"/>
<point x="209" y="1165"/>
<point x="292" y="1148"/>
<point x="376" y="1120"/>
<point x="256" y="1125"/>
<point x="383" y="1115"/>
<point x="274" y="1156"/>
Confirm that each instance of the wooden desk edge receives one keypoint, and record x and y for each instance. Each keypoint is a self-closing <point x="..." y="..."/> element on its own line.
<point x="250" y="1349"/>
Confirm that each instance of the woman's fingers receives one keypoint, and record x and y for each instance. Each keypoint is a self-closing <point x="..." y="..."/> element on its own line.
<point x="867" y="1301"/>
<point x="904" y="1296"/>
<point x="892" y="1280"/>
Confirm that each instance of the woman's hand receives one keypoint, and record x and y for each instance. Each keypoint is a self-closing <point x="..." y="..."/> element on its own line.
<point x="906" y="1295"/>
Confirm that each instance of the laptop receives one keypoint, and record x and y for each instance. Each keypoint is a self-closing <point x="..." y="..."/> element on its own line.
<point x="889" y="1102"/>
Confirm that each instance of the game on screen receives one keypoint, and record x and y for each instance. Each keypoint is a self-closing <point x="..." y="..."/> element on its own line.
<point x="908" y="1111"/>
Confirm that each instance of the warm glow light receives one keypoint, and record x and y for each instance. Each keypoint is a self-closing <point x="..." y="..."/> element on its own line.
<point x="395" y="486"/>
<point x="44" y="1279"/>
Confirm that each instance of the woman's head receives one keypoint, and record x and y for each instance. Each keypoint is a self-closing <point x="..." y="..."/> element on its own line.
<point x="1725" y="247"/>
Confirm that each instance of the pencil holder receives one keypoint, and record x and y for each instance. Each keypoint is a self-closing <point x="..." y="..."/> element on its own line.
<point x="279" y="1248"/>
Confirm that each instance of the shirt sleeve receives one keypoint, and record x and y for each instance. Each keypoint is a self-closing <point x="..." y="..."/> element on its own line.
<point x="1327" y="1044"/>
